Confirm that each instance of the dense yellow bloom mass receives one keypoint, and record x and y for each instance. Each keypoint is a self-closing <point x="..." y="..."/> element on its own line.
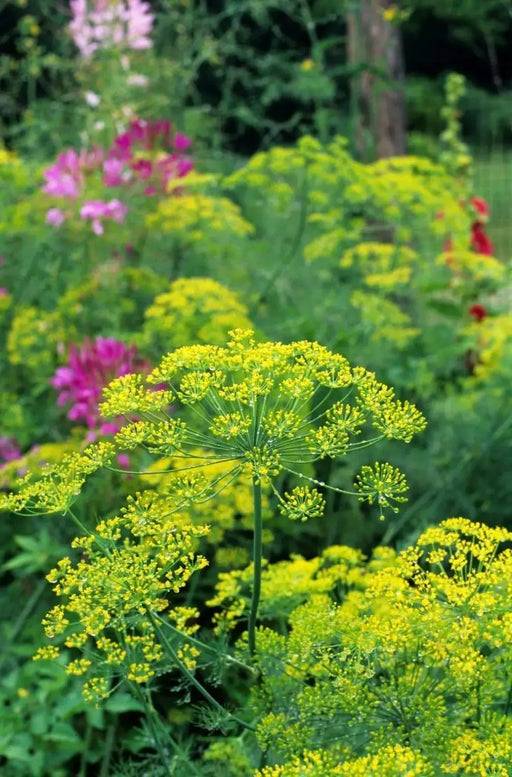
<point x="248" y="411"/>
<point x="266" y="407"/>
<point x="418" y="652"/>
<point x="193" y="310"/>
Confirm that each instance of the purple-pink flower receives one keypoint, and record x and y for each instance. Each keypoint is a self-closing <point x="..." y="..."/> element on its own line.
<point x="123" y="166"/>
<point x="9" y="450"/>
<point x="96" y="210"/>
<point x="90" y="368"/>
<point x="114" y="172"/>
<point x="64" y="178"/>
<point x="110" y="24"/>
<point x="181" y="142"/>
<point x="55" y="217"/>
<point x="146" y="158"/>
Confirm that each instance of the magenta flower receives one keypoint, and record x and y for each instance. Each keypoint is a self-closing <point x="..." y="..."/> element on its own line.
<point x="181" y="142"/>
<point x="114" y="172"/>
<point x="151" y="136"/>
<point x="9" y="450"/>
<point x="89" y="369"/>
<point x="107" y="24"/>
<point x="3" y="291"/>
<point x="55" y="217"/>
<point x="64" y="178"/>
<point x="96" y="210"/>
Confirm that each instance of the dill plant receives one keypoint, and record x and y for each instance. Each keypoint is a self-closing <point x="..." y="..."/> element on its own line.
<point x="256" y="410"/>
<point x="396" y="666"/>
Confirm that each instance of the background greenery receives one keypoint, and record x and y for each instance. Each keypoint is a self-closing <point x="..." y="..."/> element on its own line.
<point x="270" y="231"/>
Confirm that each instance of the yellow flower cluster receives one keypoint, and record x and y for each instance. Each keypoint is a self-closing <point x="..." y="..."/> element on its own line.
<point x="265" y="407"/>
<point x="286" y="584"/>
<point x="193" y="310"/>
<point x="418" y="652"/>
<point x="33" y="340"/>
<point x="53" y="488"/>
<point x="385" y="224"/>
<point x="199" y="217"/>
<point x="383" y="319"/>
<point x="391" y="761"/>
<point x="491" y="338"/>
<point x="233" y="504"/>
<point x="12" y="170"/>
<point x="128" y="567"/>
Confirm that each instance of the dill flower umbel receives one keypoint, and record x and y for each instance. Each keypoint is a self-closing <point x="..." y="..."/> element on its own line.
<point x="267" y="408"/>
<point x="259" y="409"/>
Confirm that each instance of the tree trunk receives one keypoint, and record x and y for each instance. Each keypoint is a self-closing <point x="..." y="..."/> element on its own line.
<point x="374" y="49"/>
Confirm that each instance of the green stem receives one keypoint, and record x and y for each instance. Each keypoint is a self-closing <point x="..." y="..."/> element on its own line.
<point x="107" y="749"/>
<point x="294" y="248"/>
<point x="87" y="744"/>
<point x="27" y="610"/>
<point x="256" y="560"/>
<point x="203" y="646"/>
<point x="190" y="677"/>
<point x="153" y="720"/>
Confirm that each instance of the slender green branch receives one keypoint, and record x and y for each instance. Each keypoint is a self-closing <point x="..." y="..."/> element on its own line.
<point x="107" y="749"/>
<point x="203" y="645"/>
<point x="256" y="559"/>
<point x="153" y="719"/>
<point x="23" y="617"/>
<point x="290" y="256"/>
<point x="190" y="677"/>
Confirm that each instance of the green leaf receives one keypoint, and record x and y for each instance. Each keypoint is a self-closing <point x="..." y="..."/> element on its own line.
<point x="123" y="702"/>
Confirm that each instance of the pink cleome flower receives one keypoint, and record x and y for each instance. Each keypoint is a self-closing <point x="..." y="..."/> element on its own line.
<point x="124" y="163"/>
<point x="96" y="210"/>
<point x="110" y="24"/>
<point x="90" y="368"/>
<point x="64" y="178"/>
<point x="135" y="158"/>
<point x="55" y="217"/>
<point x="9" y="450"/>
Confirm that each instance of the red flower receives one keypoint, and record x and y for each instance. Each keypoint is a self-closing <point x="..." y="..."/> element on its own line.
<point x="481" y="207"/>
<point x="480" y="242"/>
<point x="478" y="312"/>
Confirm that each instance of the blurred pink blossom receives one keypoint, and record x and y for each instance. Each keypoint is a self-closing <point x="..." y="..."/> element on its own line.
<point x="96" y="210"/>
<point x="9" y="450"/>
<point x="181" y="142"/>
<point x="55" y="217"/>
<point x="90" y="159"/>
<point x="110" y="24"/>
<point x="114" y="172"/>
<point x="3" y="291"/>
<point x="64" y="178"/>
<point x="149" y="136"/>
<point x="90" y="368"/>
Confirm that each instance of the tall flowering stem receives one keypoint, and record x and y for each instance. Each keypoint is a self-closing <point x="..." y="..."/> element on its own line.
<point x="262" y="409"/>
<point x="256" y="560"/>
<point x="267" y="408"/>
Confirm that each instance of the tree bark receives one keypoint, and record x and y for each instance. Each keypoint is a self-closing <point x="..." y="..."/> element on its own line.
<point x="374" y="49"/>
